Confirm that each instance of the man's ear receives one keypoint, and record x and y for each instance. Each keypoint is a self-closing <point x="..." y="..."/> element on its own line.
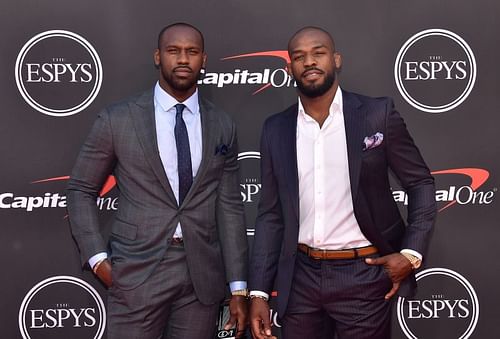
<point x="156" y="58"/>
<point x="337" y="58"/>
<point x="204" y="64"/>
<point x="288" y="68"/>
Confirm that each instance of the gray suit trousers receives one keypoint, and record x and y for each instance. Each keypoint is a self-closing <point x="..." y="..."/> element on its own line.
<point x="164" y="306"/>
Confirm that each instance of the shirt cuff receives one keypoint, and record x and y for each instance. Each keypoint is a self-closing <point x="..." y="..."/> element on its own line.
<point x="237" y="285"/>
<point x="412" y="252"/>
<point x="96" y="258"/>
<point x="260" y="293"/>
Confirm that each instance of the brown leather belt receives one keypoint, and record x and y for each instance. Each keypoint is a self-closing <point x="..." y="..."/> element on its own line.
<point x="352" y="253"/>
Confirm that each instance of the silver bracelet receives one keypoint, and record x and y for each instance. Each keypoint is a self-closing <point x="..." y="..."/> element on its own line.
<point x="251" y="296"/>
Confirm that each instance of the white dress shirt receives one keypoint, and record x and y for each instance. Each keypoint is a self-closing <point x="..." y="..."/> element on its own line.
<point x="327" y="218"/>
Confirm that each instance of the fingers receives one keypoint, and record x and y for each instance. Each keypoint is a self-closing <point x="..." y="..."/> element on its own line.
<point x="230" y="323"/>
<point x="238" y="314"/>
<point x="241" y="324"/>
<point x="375" y="261"/>
<point x="260" y="322"/>
<point x="266" y="326"/>
<point x="259" y="332"/>
<point x="255" y="328"/>
<point x="261" y="329"/>
<point x="393" y="291"/>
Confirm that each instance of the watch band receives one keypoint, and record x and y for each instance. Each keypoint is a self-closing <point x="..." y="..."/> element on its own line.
<point x="243" y="292"/>
<point x="414" y="261"/>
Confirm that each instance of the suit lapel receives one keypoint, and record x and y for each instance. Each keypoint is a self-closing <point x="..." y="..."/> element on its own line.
<point x="209" y="141"/>
<point x="143" y="116"/>
<point x="354" y="120"/>
<point x="288" y="151"/>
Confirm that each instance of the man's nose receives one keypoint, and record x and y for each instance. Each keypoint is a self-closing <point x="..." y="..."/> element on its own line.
<point x="183" y="57"/>
<point x="309" y="60"/>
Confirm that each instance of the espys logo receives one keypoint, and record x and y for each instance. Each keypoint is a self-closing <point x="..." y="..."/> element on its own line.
<point x="266" y="78"/>
<point x="435" y="70"/>
<point x="250" y="186"/>
<point x="445" y="300"/>
<point x="466" y="194"/>
<point x="58" y="73"/>
<point x="62" y="307"/>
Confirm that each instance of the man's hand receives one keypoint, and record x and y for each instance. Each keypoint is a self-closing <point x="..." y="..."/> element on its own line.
<point x="397" y="267"/>
<point x="104" y="273"/>
<point x="238" y="311"/>
<point x="260" y="320"/>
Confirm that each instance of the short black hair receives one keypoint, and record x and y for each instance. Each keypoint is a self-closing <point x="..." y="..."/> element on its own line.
<point x="311" y="28"/>
<point x="181" y="24"/>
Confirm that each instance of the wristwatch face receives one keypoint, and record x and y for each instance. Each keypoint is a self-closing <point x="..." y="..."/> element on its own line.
<point x="416" y="263"/>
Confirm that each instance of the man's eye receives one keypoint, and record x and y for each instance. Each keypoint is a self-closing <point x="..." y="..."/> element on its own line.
<point x="298" y="58"/>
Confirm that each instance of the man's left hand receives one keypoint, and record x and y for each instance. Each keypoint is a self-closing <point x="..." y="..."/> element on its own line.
<point x="397" y="268"/>
<point x="238" y="311"/>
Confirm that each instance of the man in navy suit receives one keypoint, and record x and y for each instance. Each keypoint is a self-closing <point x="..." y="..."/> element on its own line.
<point x="329" y="236"/>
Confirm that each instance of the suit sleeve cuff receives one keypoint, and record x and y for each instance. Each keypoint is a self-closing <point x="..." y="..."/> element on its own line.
<point x="237" y="285"/>
<point x="260" y="293"/>
<point x="412" y="252"/>
<point x="96" y="258"/>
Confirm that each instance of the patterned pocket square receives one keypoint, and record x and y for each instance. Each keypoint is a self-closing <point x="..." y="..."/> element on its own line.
<point x="372" y="141"/>
<point x="221" y="149"/>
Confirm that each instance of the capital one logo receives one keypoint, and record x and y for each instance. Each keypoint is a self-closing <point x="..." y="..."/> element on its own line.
<point x="435" y="70"/>
<point x="58" y="73"/>
<point x="11" y="200"/>
<point x="445" y="300"/>
<point x="466" y="187"/>
<point x="264" y="78"/>
<point x="62" y="307"/>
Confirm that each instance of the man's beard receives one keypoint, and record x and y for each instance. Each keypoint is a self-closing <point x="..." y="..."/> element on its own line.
<point x="315" y="91"/>
<point x="180" y="85"/>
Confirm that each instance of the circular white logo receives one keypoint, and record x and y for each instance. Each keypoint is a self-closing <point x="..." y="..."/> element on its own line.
<point x="61" y="306"/>
<point x="58" y="73"/>
<point x="446" y="303"/>
<point x="435" y="70"/>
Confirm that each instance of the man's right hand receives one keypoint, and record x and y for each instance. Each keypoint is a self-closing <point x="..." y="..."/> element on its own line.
<point x="260" y="322"/>
<point x="104" y="273"/>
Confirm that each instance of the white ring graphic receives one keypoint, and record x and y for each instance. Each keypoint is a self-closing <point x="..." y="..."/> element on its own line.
<point x="62" y="279"/>
<point x="468" y="88"/>
<point x="52" y="111"/>
<point x="452" y="274"/>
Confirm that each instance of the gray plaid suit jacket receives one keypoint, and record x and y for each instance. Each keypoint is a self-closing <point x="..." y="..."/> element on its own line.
<point x="123" y="142"/>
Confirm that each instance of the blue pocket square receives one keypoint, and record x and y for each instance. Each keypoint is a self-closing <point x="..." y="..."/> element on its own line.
<point x="372" y="141"/>
<point x="221" y="149"/>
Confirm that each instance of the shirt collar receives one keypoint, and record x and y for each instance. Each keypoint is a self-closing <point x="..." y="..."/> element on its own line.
<point x="167" y="102"/>
<point x="335" y="107"/>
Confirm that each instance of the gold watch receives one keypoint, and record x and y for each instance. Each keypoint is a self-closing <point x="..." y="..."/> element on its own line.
<point x="414" y="261"/>
<point x="243" y="292"/>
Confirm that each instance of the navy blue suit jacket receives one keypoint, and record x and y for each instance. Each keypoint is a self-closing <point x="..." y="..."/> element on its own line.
<point x="277" y="225"/>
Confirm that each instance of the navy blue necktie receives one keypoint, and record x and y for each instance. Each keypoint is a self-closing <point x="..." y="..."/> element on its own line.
<point x="184" y="168"/>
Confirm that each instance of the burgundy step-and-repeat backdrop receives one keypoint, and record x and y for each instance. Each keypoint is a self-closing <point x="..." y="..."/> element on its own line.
<point x="62" y="61"/>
